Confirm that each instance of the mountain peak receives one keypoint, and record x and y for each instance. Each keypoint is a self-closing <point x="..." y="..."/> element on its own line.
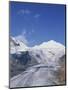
<point x="17" y="45"/>
<point x="51" y="44"/>
<point x="51" y="47"/>
<point x="52" y="41"/>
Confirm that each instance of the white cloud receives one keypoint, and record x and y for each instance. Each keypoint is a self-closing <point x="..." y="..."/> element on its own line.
<point x="22" y="37"/>
<point x="24" y="11"/>
<point x="24" y="32"/>
<point x="36" y="15"/>
<point x="31" y="32"/>
<point x="27" y="11"/>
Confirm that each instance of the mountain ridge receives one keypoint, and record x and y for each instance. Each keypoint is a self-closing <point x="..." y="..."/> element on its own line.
<point x="20" y="46"/>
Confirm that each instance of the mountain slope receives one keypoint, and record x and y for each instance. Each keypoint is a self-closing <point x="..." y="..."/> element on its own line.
<point x="42" y="64"/>
<point x="17" y="46"/>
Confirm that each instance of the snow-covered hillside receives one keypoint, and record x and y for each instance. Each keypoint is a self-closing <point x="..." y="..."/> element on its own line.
<point x="42" y="63"/>
<point x="17" y="46"/>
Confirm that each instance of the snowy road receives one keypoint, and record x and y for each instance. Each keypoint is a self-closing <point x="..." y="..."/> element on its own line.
<point x="38" y="75"/>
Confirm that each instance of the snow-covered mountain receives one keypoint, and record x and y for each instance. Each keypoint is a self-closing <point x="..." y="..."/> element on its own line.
<point x="44" y="52"/>
<point x="17" y="46"/>
<point x="51" y="49"/>
<point x="50" y="55"/>
<point x="50" y="46"/>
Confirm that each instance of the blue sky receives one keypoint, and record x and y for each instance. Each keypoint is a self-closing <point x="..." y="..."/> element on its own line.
<point x="37" y="23"/>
